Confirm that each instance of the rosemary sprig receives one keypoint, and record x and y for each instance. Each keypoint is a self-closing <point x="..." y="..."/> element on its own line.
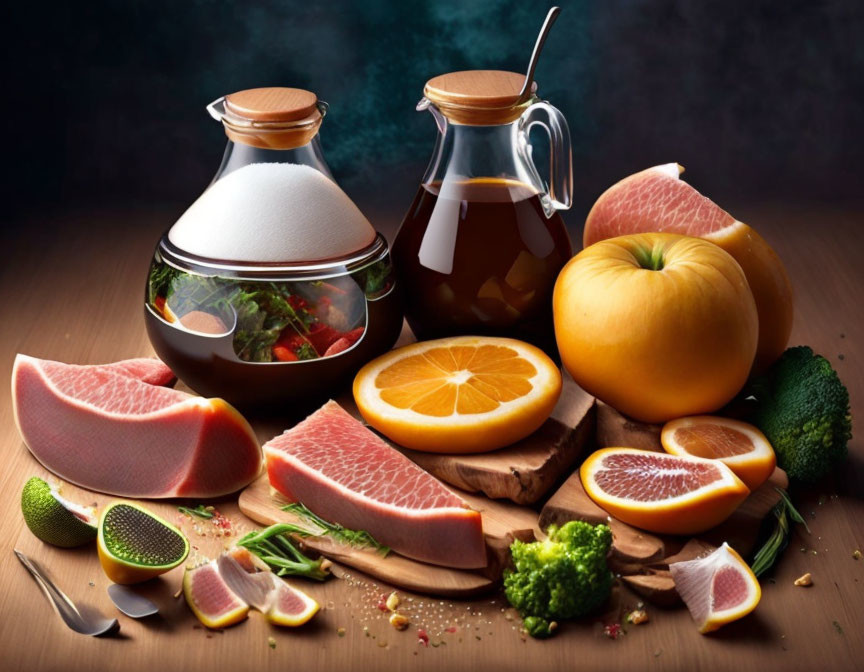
<point x="201" y="511"/>
<point x="356" y="538"/>
<point x="778" y="540"/>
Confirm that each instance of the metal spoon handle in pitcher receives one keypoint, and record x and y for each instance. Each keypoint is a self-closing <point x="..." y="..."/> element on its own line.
<point x="525" y="93"/>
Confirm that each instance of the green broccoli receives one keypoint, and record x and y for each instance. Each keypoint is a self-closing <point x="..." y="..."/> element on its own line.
<point x="803" y="410"/>
<point x="565" y="576"/>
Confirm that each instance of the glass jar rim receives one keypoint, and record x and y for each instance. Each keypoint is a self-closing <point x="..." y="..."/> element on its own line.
<point x="274" y="271"/>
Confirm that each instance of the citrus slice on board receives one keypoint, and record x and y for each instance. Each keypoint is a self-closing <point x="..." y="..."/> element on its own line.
<point x="717" y="589"/>
<point x="672" y="494"/>
<point x="466" y="394"/>
<point x="738" y="445"/>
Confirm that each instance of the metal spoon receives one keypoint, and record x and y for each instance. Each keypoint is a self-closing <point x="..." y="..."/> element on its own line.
<point x="82" y="619"/>
<point x="525" y="93"/>
<point x="131" y="603"/>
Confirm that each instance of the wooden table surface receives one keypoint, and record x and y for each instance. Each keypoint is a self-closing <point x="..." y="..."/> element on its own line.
<point x="72" y="287"/>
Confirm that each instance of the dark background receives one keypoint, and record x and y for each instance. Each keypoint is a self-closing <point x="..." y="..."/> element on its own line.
<point x="104" y="101"/>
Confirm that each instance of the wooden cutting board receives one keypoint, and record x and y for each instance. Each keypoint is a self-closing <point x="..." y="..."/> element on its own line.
<point x="525" y="471"/>
<point x="641" y="558"/>
<point x="502" y="523"/>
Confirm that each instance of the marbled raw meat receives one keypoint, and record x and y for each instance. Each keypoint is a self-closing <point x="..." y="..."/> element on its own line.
<point x="107" y="431"/>
<point x="347" y="474"/>
<point x="146" y="369"/>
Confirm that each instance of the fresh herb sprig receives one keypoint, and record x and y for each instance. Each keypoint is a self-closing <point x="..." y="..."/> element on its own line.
<point x="283" y="557"/>
<point x="766" y="556"/>
<point x="355" y="538"/>
<point x="201" y="511"/>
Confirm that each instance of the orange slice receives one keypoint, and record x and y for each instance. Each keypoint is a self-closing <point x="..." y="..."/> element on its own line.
<point x="738" y="445"/>
<point x="672" y="494"/>
<point x="717" y="589"/>
<point x="466" y="394"/>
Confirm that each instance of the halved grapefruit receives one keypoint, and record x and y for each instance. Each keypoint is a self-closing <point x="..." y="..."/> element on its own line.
<point x="738" y="445"/>
<point x="465" y="394"/>
<point x="656" y="200"/>
<point x="672" y="494"/>
<point x="717" y="589"/>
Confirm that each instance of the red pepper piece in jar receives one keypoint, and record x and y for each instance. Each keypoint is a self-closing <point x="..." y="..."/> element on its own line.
<point x="284" y="354"/>
<point x="322" y="336"/>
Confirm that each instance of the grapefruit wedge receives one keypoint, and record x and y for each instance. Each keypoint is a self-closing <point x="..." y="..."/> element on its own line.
<point x="738" y="445"/>
<point x="671" y="494"/>
<point x="210" y="598"/>
<point x="657" y="200"/>
<point x="110" y="432"/>
<point x="290" y="607"/>
<point x="717" y="589"/>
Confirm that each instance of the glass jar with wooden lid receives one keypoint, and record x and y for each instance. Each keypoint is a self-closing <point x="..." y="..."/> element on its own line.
<point x="272" y="287"/>
<point x="482" y="244"/>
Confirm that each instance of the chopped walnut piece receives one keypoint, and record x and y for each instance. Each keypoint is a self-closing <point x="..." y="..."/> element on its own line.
<point x="805" y="580"/>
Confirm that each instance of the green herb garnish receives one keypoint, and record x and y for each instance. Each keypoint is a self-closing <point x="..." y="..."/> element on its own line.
<point x="260" y="312"/>
<point x="276" y="549"/>
<point x="201" y="511"/>
<point x="358" y="539"/>
<point x="778" y="540"/>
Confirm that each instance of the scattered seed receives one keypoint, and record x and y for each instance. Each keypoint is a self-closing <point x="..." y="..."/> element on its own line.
<point x="837" y="627"/>
<point x="399" y="621"/>
<point x="637" y="617"/>
<point x="340" y="632"/>
<point x="393" y="601"/>
<point x="856" y="554"/>
<point x="804" y="580"/>
<point x="271" y="642"/>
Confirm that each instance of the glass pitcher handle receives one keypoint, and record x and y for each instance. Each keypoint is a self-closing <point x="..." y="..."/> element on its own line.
<point x="550" y="119"/>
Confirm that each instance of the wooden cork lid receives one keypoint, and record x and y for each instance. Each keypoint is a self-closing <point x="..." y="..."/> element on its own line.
<point x="272" y="117"/>
<point x="479" y="97"/>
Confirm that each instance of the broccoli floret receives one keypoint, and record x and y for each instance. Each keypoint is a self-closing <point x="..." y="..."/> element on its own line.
<point x="803" y="410"/>
<point x="564" y="576"/>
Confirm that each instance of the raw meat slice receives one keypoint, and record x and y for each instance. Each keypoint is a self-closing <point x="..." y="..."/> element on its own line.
<point x="345" y="473"/>
<point x="108" y="432"/>
<point x="146" y="369"/>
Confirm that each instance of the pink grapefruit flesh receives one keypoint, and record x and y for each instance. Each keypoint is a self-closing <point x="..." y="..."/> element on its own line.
<point x="109" y="432"/>
<point x="347" y="474"/>
<point x="657" y="200"/>
<point x="717" y="589"/>
<point x="210" y="598"/>
<point x="659" y="492"/>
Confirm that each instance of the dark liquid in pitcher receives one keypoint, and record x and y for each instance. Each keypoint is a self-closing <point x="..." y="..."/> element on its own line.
<point x="480" y="257"/>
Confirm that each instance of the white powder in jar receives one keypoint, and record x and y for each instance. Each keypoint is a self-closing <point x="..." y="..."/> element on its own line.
<point x="273" y="212"/>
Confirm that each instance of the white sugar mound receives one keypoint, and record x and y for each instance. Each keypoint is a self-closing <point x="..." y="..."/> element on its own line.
<point x="273" y="212"/>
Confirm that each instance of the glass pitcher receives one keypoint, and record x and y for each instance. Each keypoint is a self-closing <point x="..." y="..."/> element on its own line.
<point x="482" y="244"/>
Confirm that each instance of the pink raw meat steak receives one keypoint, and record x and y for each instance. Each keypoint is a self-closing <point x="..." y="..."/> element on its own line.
<point x="146" y="369"/>
<point x="107" y="431"/>
<point x="345" y="473"/>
